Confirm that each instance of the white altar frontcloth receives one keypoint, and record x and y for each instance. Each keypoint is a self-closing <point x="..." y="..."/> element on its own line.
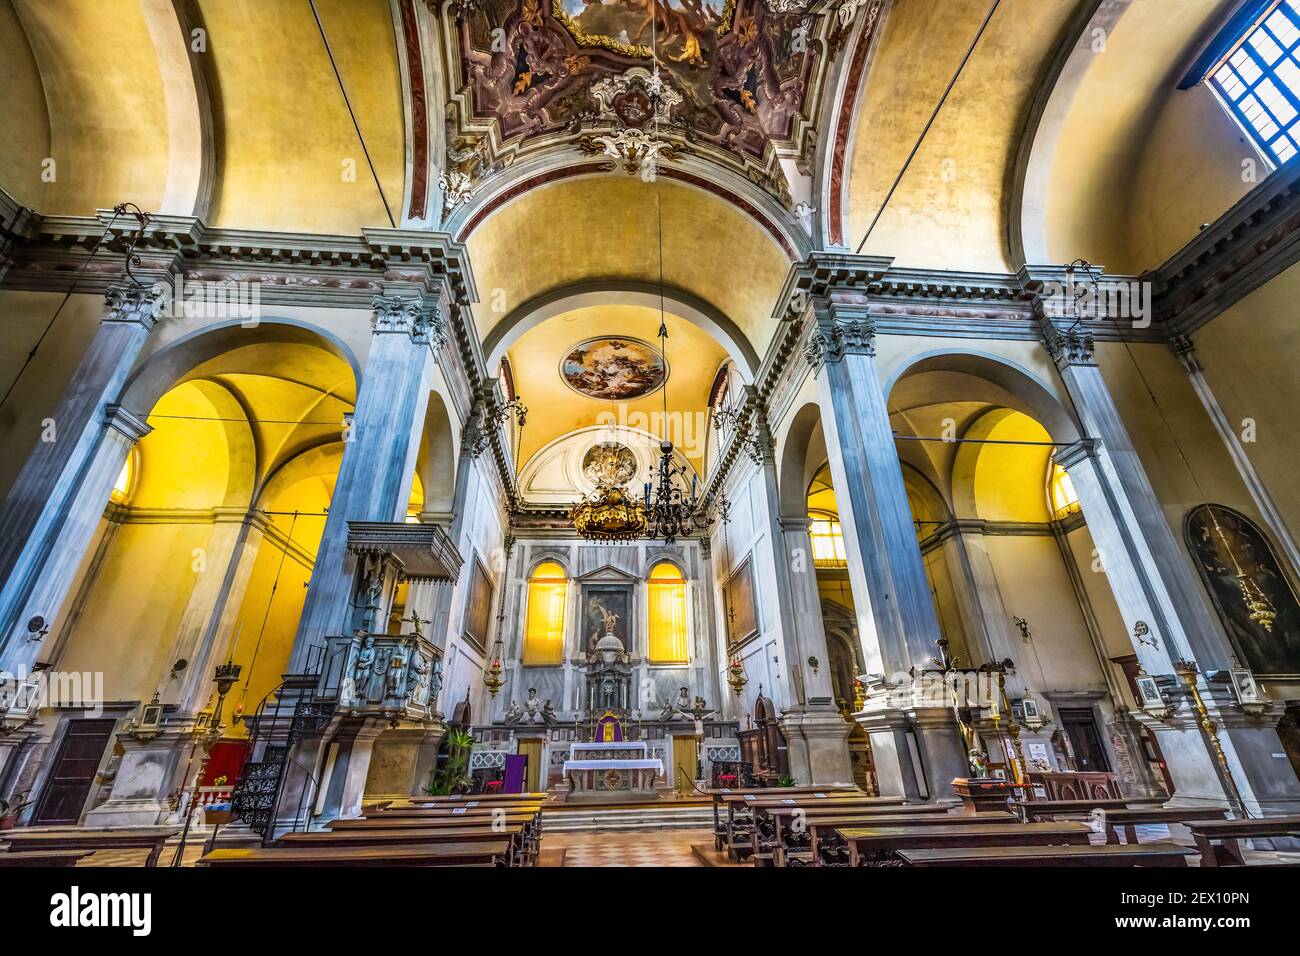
<point x="599" y="747"/>
<point x="615" y="764"/>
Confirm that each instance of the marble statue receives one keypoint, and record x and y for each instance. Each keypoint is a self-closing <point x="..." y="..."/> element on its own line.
<point x="515" y="714"/>
<point x="532" y="707"/>
<point x="548" y="713"/>
<point x="362" y="666"/>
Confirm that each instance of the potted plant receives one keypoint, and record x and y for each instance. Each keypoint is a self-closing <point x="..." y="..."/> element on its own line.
<point x="787" y="781"/>
<point x="453" y="775"/>
<point x="10" y="811"/>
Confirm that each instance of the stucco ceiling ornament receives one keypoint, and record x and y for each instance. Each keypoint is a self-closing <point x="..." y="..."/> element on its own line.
<point x="630" y="148"/>
<point x="456" y="188"/>
<point x="635" y="97"/>
<point x="786" y="7"/>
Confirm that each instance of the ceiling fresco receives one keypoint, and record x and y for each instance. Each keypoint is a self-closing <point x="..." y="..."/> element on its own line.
<point x="735" y="82"/>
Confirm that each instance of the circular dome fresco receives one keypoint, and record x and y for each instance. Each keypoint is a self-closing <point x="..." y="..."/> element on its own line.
<point x="614" y="369"/>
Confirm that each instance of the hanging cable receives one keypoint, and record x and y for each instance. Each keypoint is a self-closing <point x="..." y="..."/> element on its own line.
<point x="928" y="123"/>
<point x="348" y="103"/>
<point x="266" y="615"/>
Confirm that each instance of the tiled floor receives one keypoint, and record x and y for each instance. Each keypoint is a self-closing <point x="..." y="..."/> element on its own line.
<point x="628" y="848"/>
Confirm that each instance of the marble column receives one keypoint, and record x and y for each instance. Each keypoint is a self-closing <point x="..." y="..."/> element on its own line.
<point x="1268" y="510"/>
<point x="380" y="449"/>
<point x="51" y="512"/>
<point x="1144" y="594"/>
<point x="896" y="615"/>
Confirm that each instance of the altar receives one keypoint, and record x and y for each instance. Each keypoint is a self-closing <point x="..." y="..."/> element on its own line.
<point x="611" y="771"/>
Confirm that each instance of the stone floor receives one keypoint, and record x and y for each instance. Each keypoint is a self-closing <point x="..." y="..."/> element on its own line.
<point x="637" y="848"/>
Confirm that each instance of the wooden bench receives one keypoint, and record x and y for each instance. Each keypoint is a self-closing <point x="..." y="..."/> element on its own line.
<point x="1036" y="810"/>
<point x="774" y="831"/>
<point x="720" y="830"/>
<point x="462" y="799"/>
<point x="422" y="854"/>
<point x="878" y="846"/>
<point x="1123" y="854"/>
<point x="530" y="823"/>
<point x="433" y="813"/>
<point x="738" y="834"/>
<point x="1130" y="819"/>
<point x="91" y="839"/>
<point x="1217" y="839"/>
<point x="827" y="848"/>
<point x="519" y="854"/>
<point x="42" y="858"/>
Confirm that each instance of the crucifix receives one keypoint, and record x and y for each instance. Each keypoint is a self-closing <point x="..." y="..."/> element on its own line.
<point x="948" y="669"/>
<point x="416" y="622"/>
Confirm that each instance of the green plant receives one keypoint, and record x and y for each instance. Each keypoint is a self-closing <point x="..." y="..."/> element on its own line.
<point x="453" y="774"/>
<point x="787" y="781"/>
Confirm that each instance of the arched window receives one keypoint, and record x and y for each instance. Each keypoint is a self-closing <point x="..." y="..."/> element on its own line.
<point x="827" y="536"/>
<point x="1060" y="492"/>
<point x="548" y="591"/>
<point x="667" y="615"/>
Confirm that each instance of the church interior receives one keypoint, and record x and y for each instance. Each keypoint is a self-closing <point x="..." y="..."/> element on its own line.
<point x="702" y="433"/>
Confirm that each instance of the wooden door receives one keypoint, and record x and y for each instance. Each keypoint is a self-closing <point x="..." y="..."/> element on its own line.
<point x="1089" y="752"/>
<point x="75" y="766"/>
<point x="535" y="779"/>
<point x="685" y="758"/>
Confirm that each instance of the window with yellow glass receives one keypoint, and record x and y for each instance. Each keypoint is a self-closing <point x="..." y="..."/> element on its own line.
<point x="548" y="591"/>
<point x="827" y="541"/>
<point x="1060" y="490"/>
<point x="667" y="615"/>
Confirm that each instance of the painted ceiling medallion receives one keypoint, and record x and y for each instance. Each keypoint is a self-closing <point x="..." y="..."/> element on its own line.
<point x="614" y="369"/>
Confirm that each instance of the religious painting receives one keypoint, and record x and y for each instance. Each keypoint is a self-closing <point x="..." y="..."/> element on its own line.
<point x="607" y="609"/>
<point x="742" y="617"/>
<point x="614" y="369"/>
<point x="478" y="607"/>
<point x="1248" y="588"/>
<point x="609" y="463"/>
<point x="734" y="73"/>
<point x="684" y="29"/>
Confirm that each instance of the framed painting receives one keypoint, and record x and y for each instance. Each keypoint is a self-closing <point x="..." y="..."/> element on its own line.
<point x="1248" y="588"/>
<point x="742" y="616"/>
<point x="478" y="607"/>
<point x="606" y="609"/>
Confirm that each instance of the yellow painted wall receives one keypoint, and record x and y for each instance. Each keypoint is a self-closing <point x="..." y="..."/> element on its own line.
<point x="286" y="130"/>
<point x="1250" y="355"/>
<point x="27" y="135"/>
<point x="25" y="316"/>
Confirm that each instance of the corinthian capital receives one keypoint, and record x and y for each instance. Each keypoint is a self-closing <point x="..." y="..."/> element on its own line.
<point x="831" y="340"/>
<point x="131" y="303"/>
<point x="1073" y="346"/>
<point x="410" y="314"/>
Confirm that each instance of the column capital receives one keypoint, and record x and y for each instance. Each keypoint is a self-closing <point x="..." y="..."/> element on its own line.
<point x="133" y="304"/>
<point x="1069" y="347"/>
<point x="1185" y="349"/>
<point x="122" y="419"/>
<point x="831" y="339"/>
<point x="1072" y="454"/>
<point x="413" y="314"/>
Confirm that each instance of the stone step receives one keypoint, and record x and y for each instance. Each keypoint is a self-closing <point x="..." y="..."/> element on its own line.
<point x="629" y="818"/>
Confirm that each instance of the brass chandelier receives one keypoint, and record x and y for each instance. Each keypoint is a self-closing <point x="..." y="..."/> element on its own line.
<point x="610" y="513"/>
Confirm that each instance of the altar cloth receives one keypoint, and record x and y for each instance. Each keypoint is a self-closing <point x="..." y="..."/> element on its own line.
<point x="613" y="764"/>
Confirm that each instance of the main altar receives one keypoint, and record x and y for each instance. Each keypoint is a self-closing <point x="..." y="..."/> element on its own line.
<point x="613" y="770"/>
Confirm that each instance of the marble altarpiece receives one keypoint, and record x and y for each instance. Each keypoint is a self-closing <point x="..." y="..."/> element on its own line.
<point x="606" y="693"/>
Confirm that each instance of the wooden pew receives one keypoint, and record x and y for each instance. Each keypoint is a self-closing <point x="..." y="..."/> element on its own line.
<point x="720" y="830"/>
<point x="530" y="822"/>
<point x="1036" y="810"/>
<point x="1123" y="854"/>
<point x="773" y="832"/>
<point x="23" y="839"/>
<point x="433" y="813"/>
<point x="827" y="848"/>
<point x="738" y="839"/>
<point x="514" y="835"/>
<point x="1131" y="818"/>
<point x="422" y="854"/>
<point x="877" y="846"/>
<point x="42" y="858"/>
<point x="463" y="799"/>
<point x="1217" y="839"/>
